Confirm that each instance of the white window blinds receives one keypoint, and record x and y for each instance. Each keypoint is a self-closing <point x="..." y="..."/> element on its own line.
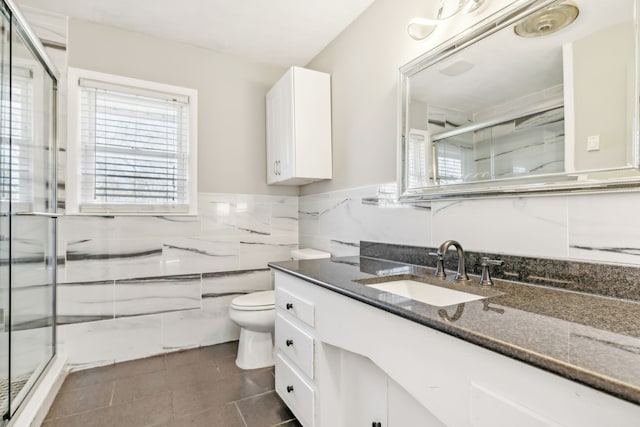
<point x="417" y="167"/>
<point x="17" y="139"/>
<point x="134" y="149"/>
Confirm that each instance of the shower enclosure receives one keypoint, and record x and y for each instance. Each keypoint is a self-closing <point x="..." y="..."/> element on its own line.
<point x="27" y="211"/>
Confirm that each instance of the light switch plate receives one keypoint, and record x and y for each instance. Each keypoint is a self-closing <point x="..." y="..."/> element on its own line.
<point x="593" y="143"/>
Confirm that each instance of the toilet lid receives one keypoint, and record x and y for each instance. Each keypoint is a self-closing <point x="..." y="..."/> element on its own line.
<point x="263" y="300"/>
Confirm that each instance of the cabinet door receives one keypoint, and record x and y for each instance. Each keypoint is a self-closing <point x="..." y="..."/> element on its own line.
<point x="363" y="392"/>
<point x="404" y="410"/>
<point x="280" y="130"/>
<point x="489" y="409"/>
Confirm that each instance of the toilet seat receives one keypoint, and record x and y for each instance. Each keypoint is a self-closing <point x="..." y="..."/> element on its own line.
<point x="255" y="301"/>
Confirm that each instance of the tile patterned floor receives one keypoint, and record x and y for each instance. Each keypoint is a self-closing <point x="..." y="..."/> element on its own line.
<point x="201" y="387"/>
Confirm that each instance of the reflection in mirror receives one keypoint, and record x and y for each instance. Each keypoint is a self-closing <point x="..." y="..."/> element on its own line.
<point x="524" y="104"/>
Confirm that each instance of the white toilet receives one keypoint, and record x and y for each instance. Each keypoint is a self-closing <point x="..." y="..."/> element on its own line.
<point x="255" y="313"/>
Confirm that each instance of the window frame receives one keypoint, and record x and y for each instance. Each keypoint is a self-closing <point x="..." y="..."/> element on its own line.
<point x="74" y="146"/>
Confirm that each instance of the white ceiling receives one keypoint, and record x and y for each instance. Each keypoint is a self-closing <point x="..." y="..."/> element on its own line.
<point x="281" y="32"/>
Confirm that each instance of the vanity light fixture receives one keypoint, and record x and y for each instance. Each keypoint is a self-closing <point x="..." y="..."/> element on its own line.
<point x="547" y="21"/>
<point x="421" y="28"/>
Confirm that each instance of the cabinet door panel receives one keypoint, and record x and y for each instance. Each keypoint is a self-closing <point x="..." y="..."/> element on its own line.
<point x="280" y="130"/>
<point x="363" y="392"/>
<point x="404" y="410"/>
<point x="489" y="409"/>
<point x="295" y="343"/>
<point x="295" y="391"/>
<point x="293" y="304"/>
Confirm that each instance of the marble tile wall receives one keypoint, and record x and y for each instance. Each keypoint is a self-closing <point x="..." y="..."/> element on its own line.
<point x="131" y="287"/>
<point x="587" y="227"/>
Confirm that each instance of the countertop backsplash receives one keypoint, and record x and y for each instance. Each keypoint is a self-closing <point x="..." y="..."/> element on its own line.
<point x="610" y="280"/>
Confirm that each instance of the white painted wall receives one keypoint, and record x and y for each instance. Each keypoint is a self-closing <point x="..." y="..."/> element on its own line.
<point x="602" y="102"/>
<point x="364" y="61"/>
<point x="231" y="91"/>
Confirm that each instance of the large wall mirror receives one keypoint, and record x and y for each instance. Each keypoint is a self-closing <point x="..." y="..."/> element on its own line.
<point x="521" y="103"/>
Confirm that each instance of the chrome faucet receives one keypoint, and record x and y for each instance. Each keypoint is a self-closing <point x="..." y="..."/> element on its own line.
<point x="442" y="250"/>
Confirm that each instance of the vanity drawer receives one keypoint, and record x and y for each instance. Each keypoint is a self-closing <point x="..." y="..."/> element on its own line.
<point x="291" y="303"/>
<point x="295" y="391"/>
<point x="295" y="343"/>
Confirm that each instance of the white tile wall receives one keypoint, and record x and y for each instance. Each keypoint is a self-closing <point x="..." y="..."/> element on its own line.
<point x="243" y="232"/>
<point x="533" y="226"/>
<point x="596" y="228"/>
<point x="144" y="275"/>
<point x="605" y="227"/>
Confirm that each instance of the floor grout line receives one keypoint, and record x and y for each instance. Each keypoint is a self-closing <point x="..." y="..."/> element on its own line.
<point x="284" y="422"/>
<point x="173" y="404"/>
<point x="113" y="392"/>
<point x="253" y="395"/>
<point x="240" y="413"/>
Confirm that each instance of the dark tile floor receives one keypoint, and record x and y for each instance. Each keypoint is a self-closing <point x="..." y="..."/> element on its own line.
<point x="201" y="387"/>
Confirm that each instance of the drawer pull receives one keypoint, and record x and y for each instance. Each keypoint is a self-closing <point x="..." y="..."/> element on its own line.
<point x="289" y="306"/>
<point x="289" y="389"/>
<point x="289" y="343"/>
<point x="376" y="424"/>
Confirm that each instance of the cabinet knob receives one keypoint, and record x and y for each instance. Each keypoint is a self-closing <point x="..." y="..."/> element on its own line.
<point x="289" y="306"/>
<point x="376" y="424"/>
<point x="289" y="389"/>
<point x="289" y="343"/>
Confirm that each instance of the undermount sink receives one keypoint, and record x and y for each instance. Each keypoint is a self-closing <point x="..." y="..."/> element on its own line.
<point x="429" y="294"/>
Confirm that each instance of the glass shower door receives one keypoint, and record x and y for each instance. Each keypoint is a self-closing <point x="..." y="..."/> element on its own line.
<point x="27" y="215"/>
<point x="5" y="195"/>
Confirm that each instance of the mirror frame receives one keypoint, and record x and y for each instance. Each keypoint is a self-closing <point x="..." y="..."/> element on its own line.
<point x="573" y="182"/>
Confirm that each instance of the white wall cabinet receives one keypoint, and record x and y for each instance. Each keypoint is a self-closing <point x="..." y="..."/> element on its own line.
<point x="370" y="366"/>
<point x="299" y="128"/>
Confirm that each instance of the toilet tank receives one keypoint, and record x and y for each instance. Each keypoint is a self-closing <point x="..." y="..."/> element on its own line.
<point x="309" y="253"/>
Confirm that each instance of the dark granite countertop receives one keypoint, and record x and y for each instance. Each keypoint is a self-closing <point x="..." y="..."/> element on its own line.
<point x="587" y="338"/>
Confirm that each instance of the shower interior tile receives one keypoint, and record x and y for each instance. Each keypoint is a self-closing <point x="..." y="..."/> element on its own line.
<point x="78" y="302"/>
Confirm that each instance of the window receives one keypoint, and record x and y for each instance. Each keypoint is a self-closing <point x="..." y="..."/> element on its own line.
<point x="17" y="139"/>
<point x="136" y="146"/>
<point x="417" y="157"/>
<point x="449" y="162"/>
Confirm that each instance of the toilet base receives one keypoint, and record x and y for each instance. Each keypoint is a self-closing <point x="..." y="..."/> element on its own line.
<point x="255" y="350"/>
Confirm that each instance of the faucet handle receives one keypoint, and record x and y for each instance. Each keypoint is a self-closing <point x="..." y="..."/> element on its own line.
<point x="439" y="265"/>
<point x="485" y="277"/>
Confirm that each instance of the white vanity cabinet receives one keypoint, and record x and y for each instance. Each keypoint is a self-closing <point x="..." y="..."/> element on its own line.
<point x="294" y="341"/>
<point x="299" y="128"/>
<point x="369" y="366"/>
